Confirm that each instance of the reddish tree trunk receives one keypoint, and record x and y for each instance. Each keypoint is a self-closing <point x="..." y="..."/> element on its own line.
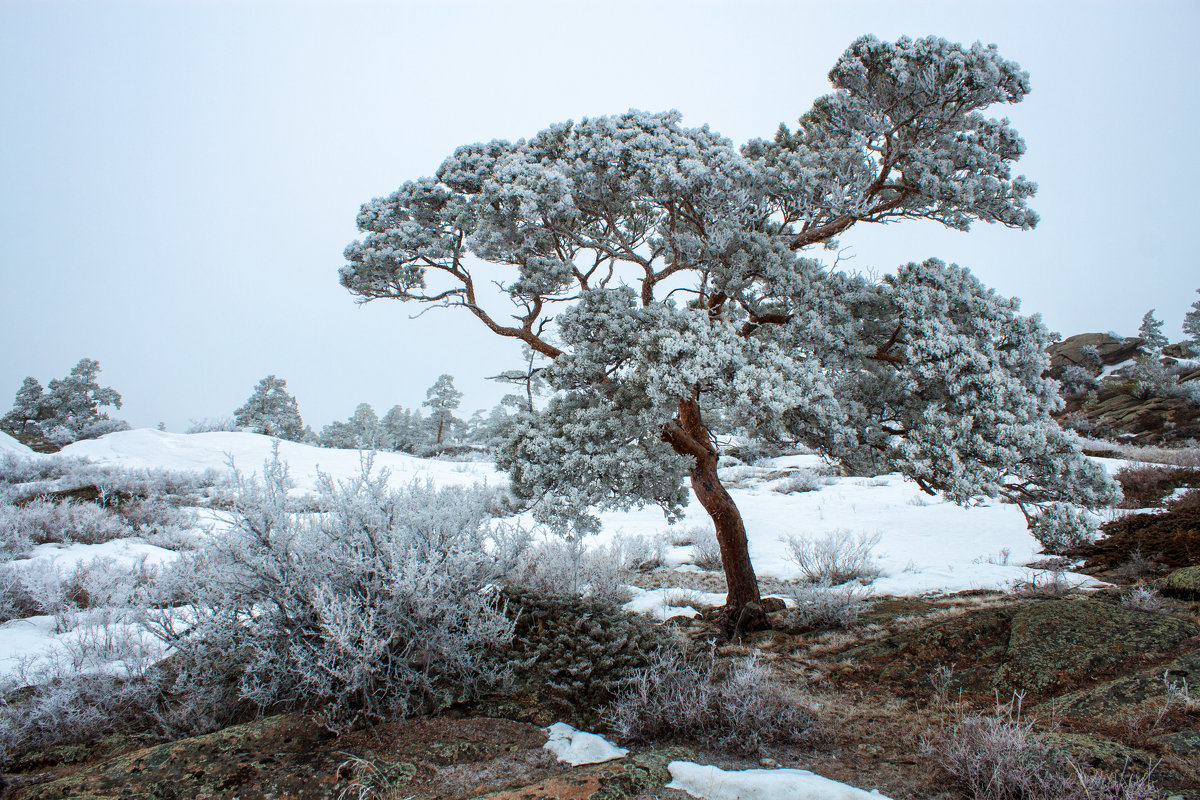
<point x="688" y="436"/>
<point x="731" y="535"/>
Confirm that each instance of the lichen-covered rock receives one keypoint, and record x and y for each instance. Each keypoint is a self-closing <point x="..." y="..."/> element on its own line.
<point x="1140" y="693"/>
<point x="1041" y="647"/>
<point x="1183" y="583"/>
<point x="1055" y="643"/>
<point x="612" y="780"/>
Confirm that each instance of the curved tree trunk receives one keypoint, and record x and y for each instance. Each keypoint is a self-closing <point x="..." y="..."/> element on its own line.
<point x="689" y="436"/>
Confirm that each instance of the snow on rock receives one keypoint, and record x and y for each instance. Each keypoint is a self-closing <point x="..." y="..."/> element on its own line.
<point x="579" y="747"/>
<point x="711" y="783"/>
<point x="10" y="445"/>
<point x="152" y="449"/>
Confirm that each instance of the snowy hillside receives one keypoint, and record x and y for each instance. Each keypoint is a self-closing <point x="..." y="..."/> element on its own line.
<point x="11" y="445"/>
<point x="144" y="448"/>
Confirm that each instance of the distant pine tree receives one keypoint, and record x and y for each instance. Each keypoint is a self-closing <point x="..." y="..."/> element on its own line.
<point x="442" y="398"/>
<point x="1191" y="323"/>
<point x="1151" y="332"/>
<point x="271" y="411"/>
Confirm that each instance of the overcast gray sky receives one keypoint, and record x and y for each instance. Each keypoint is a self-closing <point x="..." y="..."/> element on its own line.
<point x="178" y="179"/>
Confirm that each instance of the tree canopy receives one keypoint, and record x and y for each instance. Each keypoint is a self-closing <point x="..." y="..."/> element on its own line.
<point x="669" y="275"/>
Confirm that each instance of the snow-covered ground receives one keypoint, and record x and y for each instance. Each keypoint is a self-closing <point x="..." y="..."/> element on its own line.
<point x="926" y="545"/>
<point x="10" y="445"/>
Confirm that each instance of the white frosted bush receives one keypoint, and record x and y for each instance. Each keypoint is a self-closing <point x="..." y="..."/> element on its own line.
<point x="822" y="604"/>
<point x="1000" y="758"/>
<point x="41" y="522"/>
<point x="706" y="550"/>
<point x="805" y="480"/>
<point x="642" y="553"/>
<point x="566" y="566"/>
<point x="377" y="603"/>
<point x="739" y="707"/>
<point x="836" y="557"/>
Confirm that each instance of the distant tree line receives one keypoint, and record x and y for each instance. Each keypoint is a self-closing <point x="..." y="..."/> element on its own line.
<point x="271" y="410"/>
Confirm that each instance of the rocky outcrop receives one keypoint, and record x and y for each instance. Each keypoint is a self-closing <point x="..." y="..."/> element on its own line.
<point x="1069" y="352"/>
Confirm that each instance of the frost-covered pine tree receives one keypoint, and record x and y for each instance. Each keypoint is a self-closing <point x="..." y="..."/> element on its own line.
<point x="74" y="401"/>
<point x="368" y="430"/>
<point x="1191" y="324"/>
<point x="69" y="408"/>
<point x="403" y="430"/>
<point x="1151" y="332"/>
<point x="27" y="407"/>
<point x="271" y="411"/>
<point x="668" y="276"/>
<point x="442" y="398"/>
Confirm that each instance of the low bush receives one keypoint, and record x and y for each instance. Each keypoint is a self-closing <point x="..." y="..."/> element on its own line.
<point x="999" y="758"/>
<point x="837" y="557"/>
<point x="706" y="550"/>
<point x="1146" y="486"/>
<point x="212" y="425"/>
<point x="378" y="603"/>
<point x="739" y="707"/>
<point x="567" y="567"/>
<point x="574" y="654"/>
<point x="820" y="605"/>
<point x="41" y="522"/>
<point x="805" y="480"/>
<point x="1143" y="599"/>
<point x="642" y="553"/>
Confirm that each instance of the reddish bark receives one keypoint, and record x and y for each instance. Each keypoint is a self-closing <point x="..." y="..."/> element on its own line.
<point x="689" y="436"/>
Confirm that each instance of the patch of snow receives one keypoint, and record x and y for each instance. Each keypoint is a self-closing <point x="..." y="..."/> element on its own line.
<point x="10" y="445"/>
<point x="98" y="642"/>
<point x="122" y="551"/>
<point x="711" y="783"/>
<point x="654" y="602"/>
<point x="1112" y="368"/>
<point x="579" y="747"/>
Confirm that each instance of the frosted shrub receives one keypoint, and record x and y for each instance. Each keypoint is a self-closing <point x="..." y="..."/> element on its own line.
<point x="15" y="600"/>
<point x="999" y="758"/>
<point x="212" y="425"/>
<point x="375" y="604"/>
<point x="566" y="566"/>
<point x="67" y="706"/>
<point x="706" y="550"/>
<point x="1059" y="527"/>
<point x="835" y="558"/>
<point x="738" y="707"/>
<point x="821" y="604"/>
<point x="641" y="553"/>
<point x="805" y="480"/>
<point x="41" y="522"/>
<point x="1143" y="599"/>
